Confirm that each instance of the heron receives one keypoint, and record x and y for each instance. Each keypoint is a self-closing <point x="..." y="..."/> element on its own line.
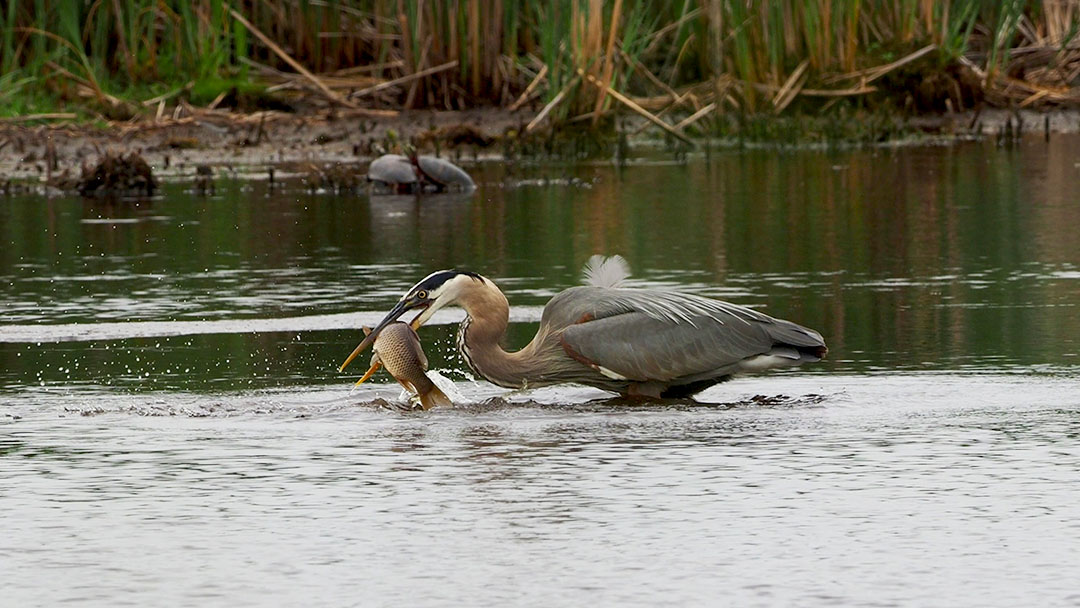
<point x="645" y="343"/>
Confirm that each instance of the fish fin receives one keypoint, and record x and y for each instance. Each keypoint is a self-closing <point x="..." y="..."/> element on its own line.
<point x="435" y="398"/>
<point x="366" y="330"/>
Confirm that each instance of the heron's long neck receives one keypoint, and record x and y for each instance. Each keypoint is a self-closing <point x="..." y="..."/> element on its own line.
<point x="482" y="335"/>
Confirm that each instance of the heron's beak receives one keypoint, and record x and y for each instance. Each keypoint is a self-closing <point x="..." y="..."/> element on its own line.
<point x="398" y="310"/>
<point x="425" y="314"/>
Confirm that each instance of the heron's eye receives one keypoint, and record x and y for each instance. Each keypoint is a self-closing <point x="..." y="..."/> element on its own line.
<point x="421" y="295"/>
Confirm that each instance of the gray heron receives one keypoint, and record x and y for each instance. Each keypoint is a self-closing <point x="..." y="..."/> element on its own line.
<point x="635" y="342"/>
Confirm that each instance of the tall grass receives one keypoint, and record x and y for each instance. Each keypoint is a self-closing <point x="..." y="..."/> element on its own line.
<point x="71" y="49"/>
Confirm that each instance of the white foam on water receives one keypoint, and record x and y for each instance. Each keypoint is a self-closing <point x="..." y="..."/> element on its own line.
<point x="86" y="332"/>
<point x="449" y="387"/>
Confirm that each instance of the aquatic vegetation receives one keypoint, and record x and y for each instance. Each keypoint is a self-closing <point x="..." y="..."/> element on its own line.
<point x="117" y="174"/>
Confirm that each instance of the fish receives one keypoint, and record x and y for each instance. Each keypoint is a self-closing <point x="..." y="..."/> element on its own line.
<point x="398" y="349"/>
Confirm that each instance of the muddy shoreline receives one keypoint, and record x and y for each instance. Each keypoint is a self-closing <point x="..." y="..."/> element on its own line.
<point x="250" y="143"/>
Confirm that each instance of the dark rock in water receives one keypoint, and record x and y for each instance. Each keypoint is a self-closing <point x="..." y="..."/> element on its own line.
<point x="397" y="174"/>
<point x="393" y="173"/>
<point x="340" y="178"/>
<point x="181" y="143"/>
<point x="204" y="180"/>
<point x="117" y="174"/>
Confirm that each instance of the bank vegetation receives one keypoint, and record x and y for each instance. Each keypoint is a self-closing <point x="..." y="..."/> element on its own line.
<point x="686" y="67"/>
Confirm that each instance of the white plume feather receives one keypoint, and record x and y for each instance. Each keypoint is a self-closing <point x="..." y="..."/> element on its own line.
<point x="601" y="271"/>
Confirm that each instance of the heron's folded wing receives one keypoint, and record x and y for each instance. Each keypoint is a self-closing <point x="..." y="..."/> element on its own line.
<point x="662" y="335"/>
<point x="638" y="347"/>
<point x="579" y="304"/>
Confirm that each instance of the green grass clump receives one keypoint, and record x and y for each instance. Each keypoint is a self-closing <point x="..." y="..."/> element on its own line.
<point x="206" y="90"/>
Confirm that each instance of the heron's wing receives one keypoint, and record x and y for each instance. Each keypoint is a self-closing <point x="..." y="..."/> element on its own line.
<point x="655" y="335"/>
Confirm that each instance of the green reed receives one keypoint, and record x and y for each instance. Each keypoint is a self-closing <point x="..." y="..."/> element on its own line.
<point x="66" y="50"/>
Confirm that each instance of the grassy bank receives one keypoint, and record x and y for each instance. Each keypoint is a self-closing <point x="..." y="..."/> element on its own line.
<point x="686" y="66"/>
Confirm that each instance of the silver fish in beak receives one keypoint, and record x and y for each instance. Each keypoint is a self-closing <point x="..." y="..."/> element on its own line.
<point x="371" y="334"/>
<point x="438" y="289"/>
<point x="397" y="347"/>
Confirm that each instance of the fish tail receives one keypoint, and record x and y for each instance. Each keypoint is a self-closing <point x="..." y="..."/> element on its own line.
<point x="435" y="398"/>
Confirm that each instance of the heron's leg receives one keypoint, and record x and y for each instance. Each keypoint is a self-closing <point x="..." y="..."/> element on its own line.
<point x="645" y="390"/>
<point x="684" y="391"/>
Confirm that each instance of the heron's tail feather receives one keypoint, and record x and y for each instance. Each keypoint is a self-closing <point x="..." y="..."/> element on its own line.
<point x="601" y="271"/>
<point x="435" y="398"/>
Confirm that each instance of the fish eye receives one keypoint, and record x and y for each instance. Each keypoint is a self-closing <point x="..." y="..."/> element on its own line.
<point x="422" y="295"/>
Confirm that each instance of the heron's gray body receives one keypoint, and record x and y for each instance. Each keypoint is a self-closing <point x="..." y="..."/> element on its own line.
<point x="640" y="341"/>
<point x="689" y="339"/>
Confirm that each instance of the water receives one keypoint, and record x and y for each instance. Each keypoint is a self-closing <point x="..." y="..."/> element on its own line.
<point x="173" y="430"/>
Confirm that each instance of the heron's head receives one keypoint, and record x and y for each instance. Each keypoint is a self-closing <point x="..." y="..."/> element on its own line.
<point x="435" y="291"/>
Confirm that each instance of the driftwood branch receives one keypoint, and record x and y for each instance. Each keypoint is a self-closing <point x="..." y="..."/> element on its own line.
<point x="331" y="95"/>
<point x="529" y="89"/>
<point x="791" y="87"/>
<point x="626" y="101"/>
<point x="696" y="116"/>
<point x="404" y="79"/>
<point x="46" y="116"/>
<point x="550" y="106"/>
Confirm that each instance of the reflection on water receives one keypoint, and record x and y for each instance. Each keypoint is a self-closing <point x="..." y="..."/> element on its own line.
<point x="915" y="258"/>
<point x="173" y="430"/>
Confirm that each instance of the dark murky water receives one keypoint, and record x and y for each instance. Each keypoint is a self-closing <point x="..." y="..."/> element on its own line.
<point x="173" y="430"/>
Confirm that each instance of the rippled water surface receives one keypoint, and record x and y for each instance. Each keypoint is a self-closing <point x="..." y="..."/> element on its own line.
<point x="173" y="430"/>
